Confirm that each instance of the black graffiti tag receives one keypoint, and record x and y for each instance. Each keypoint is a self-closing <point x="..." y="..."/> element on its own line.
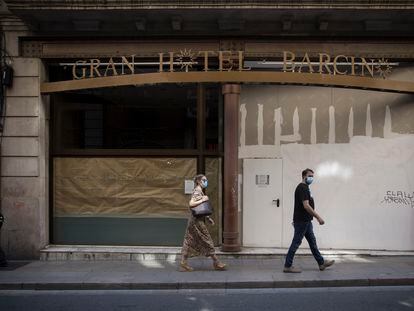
<point x="399" y="197"/>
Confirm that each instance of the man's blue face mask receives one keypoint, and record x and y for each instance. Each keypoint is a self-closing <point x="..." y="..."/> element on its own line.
<point x="309" y="180"/>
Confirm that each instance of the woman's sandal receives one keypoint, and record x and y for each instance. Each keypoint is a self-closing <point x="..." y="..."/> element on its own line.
<point x="184" y="267"/>
<point x="219" y="266"/>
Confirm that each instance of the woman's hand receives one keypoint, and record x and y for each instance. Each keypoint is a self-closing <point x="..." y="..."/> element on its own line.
<point x="211" y="221"/>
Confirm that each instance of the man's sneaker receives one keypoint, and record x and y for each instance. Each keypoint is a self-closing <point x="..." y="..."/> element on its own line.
<point x="292" y="269"/>
<point x="326" y="264"/>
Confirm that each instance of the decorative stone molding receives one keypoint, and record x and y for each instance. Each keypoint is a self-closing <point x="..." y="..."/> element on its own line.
<point x="23" y="5"/>
<point x="34" y="47"/>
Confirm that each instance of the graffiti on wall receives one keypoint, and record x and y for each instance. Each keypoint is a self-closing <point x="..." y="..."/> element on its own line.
<point x="398" y="198"/>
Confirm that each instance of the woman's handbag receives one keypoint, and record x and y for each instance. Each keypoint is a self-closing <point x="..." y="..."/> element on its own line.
<point x="202" y="209"/>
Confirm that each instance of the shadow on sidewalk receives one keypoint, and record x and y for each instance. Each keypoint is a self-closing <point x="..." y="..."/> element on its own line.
<point x="13" y="265"/>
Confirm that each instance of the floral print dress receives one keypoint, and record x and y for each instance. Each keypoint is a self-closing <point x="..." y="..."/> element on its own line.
<point x="197" y="239"/>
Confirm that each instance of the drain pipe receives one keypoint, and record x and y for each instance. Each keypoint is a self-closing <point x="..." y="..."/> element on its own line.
<point x="3" y="261"/>
<point x="6" y="81"/>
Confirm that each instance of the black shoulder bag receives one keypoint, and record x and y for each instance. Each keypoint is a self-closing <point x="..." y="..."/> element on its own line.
<point x="202" y="209"/>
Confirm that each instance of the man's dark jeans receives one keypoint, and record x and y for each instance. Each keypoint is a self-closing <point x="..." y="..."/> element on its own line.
<point x="303" y="229"/>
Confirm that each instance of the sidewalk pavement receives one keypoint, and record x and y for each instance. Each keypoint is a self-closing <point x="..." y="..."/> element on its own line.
<point x="241" y="273"/>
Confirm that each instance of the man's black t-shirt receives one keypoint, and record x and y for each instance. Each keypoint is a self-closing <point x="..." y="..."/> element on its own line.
<point x="302" y="193"/>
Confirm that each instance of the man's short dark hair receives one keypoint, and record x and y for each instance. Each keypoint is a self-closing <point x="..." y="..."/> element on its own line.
<point x="306" y="171"/>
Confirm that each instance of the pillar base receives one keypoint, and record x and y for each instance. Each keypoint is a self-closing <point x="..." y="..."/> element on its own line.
<point x="231" y="248"/>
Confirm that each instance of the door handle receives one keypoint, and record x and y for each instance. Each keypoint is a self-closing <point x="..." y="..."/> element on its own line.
<point x="277" y="201"/>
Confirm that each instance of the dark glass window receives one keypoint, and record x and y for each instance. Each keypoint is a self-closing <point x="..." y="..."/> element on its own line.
<point x="214" y="117"/>
<point x="150" y="117"/>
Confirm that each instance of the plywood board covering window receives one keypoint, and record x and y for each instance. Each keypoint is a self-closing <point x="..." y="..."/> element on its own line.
<point x="122" y="187"/>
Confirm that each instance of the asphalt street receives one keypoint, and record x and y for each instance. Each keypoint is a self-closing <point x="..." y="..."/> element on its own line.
<point x="309" y="299"/>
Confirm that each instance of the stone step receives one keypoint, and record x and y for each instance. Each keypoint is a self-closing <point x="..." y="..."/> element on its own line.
<point x="138" y="253"/>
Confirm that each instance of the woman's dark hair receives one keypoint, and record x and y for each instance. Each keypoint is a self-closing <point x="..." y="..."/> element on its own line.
<point x="306" y="171"/>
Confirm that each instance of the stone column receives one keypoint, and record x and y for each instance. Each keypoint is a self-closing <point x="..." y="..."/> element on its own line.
<point x="231" y="94"/>
<point x="24" y="153"/>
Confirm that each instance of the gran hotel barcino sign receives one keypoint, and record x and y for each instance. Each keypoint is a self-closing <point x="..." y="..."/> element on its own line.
<point x="207" y="61"/>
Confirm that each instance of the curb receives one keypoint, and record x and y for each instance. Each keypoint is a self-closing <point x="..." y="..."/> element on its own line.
<point x="123" y="253"/>
<point x="209" y="285"/>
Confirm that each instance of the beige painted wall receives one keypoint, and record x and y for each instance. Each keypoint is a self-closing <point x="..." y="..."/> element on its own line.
<point x="361" y="144"/>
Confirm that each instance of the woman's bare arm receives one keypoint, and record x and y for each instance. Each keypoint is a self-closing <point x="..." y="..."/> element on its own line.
<point x="193" y="202"/>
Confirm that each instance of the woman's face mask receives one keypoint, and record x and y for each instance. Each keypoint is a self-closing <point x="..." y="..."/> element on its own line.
<point x="204" y="183"/>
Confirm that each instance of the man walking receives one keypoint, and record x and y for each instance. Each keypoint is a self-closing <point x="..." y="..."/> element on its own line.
<point x="302" y="222"/>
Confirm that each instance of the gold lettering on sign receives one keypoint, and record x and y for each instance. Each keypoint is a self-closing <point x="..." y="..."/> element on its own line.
<point x="225" y="61"/>
<point x="352" y="65"/>
<point x="187" y="60"/>
<point x="129" y="64"/>
<point x="111" y="66"/>
<point x="335" y="63"/>
<point x="161" y="62"/>
<point x="308" y="62"/>
<point x="94" y="68"/>
<point x="289" y="60"/>
<point x="241" y="62"/>
<point x="206" y="54"/>
<point x="367" y="66"/>
<point x="79" y="62"/>
<point x="324" y="63"/>
<point x="171" y="61"/>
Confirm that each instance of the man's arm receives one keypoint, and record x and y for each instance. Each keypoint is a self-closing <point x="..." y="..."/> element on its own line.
<point x="311" y="211"/>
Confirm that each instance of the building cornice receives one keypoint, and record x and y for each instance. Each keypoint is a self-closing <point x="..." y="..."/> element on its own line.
<point x="208" y="4"/>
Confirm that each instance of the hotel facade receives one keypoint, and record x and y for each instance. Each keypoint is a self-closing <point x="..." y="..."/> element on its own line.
<point x="111" y="107"/>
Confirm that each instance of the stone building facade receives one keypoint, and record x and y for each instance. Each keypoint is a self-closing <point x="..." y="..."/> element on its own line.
<point x="359" y="138"/>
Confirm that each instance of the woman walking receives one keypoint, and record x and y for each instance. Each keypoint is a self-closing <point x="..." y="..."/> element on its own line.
<point x="197" y="239"/>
